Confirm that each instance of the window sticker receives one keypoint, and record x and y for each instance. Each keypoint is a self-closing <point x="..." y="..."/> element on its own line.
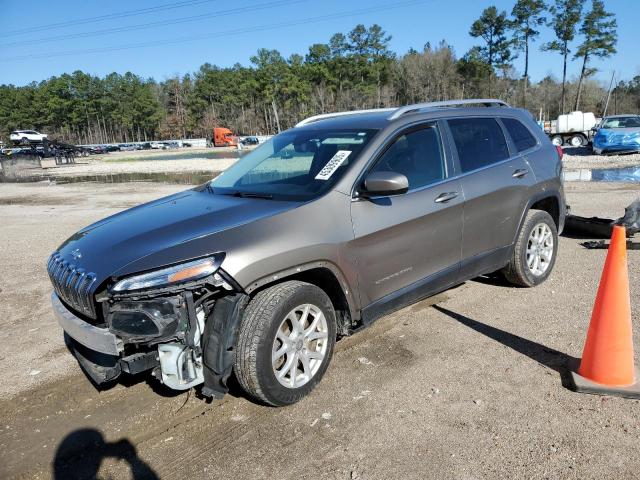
<point x="333" y="164"/>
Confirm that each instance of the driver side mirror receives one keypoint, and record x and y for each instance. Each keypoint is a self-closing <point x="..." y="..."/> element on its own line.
<point x="385" y="184"/>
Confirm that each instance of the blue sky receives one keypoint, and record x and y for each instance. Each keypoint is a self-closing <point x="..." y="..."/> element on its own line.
<point x="211" y="32"/>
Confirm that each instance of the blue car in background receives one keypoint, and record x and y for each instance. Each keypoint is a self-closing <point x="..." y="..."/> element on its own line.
<point x="619" y="134"/>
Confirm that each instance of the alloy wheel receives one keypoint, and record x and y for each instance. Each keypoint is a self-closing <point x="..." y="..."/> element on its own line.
<point x="540" y="249"/>
<point x="300" y="346"/>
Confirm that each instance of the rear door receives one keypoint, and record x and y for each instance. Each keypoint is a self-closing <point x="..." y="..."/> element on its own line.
<point x="406" y="244"/>
<point x="495" y="181"/>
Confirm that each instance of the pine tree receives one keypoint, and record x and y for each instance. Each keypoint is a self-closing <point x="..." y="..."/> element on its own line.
<point x="565" y="17"/>
<point x="600" y="37"/>
<point x="492" y="27"/>
<point x="527" y="16"/>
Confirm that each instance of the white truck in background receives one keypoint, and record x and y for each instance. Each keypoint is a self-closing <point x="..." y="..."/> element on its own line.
<point x="574" y="129"/>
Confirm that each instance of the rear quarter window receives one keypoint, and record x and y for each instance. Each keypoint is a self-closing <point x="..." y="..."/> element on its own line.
<point x="479" y="142"/>
<point x="521" y="136"/>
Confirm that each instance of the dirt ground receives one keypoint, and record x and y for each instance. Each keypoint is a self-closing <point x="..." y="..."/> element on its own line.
<point x="469" y="388"/>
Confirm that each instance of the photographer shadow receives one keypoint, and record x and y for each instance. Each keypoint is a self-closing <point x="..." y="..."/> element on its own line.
<point x="81" y="452"/>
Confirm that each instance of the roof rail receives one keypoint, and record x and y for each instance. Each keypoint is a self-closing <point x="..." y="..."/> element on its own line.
<point x="487" y="102"/>
<point x="323" y="116"/>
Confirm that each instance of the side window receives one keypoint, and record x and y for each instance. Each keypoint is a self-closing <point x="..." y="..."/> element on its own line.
<point x="417" y="155"/>
<point x="520" y="134"/>
<point x="479" y="141"/>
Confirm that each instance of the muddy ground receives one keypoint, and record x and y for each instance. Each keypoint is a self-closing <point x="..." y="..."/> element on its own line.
<point x="469" y="388"/>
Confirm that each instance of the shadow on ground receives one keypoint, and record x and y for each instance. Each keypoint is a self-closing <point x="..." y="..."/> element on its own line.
<point x="81" y="453"/>
<point x="548" y="357"/>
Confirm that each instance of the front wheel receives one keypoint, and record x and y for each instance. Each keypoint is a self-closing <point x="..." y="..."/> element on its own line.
<point x="534" y="253"/>
<point x="285" y="343"/>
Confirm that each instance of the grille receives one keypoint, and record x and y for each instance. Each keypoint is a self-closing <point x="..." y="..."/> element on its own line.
<point x="73" y="285"/>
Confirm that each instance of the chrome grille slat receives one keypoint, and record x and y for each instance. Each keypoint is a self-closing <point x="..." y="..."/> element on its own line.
<point x="76" y="287"/>
<point x="73" y="285"/>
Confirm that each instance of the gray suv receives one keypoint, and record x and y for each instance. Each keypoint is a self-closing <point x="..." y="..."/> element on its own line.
<point x="310" y="237"/>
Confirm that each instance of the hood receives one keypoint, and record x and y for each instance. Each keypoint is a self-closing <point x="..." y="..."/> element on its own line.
<point x="161" y="232"/>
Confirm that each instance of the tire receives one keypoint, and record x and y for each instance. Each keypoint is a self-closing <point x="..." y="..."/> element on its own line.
<point x="557" y="140"/>
<point x="24" y="141"/>
<point x="576" y="141"/>
<point x="518" y="271"/>
<point x="265" y="321"/>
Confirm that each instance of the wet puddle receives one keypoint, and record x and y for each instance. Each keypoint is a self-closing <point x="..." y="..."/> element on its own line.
<point x="627" y="174"/>
<point x="184" y="178"/>
<point x="180" y="156"/>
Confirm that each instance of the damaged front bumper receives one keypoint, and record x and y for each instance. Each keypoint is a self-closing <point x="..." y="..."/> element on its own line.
<point x="611" y="142"/>
<point x="185" y="337"/>
<point x="98" y="351"/>
<point x="98" y="339"/>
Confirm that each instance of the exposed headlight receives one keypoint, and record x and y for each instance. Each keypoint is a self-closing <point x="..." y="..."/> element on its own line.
<point x="183" y="272"/>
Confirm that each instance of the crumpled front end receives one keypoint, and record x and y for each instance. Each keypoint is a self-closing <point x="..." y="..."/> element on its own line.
<point x="616" y="141"/>
<point x="125" y="325"/>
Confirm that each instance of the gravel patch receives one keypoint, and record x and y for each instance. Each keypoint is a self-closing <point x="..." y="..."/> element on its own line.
<point x="576" y="158"/>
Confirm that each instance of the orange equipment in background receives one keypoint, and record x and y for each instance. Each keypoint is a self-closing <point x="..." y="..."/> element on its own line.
<point x="223" y="137"/>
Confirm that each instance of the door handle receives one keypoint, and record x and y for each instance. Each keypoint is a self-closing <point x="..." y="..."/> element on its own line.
<point x="445" y="197"/>
<point x="521" y="172"/>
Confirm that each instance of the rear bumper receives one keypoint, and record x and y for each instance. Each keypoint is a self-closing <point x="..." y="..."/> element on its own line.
<point x="95" y="338"/>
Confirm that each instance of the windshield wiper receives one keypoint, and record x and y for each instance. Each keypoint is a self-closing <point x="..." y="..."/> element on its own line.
<point x="266" y="196"/>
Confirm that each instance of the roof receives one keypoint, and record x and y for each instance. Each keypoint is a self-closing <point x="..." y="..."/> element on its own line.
<point x="623" y="115"/>
<point x="398" y="112"/>
<point x="374" y="120"/>
<point x="380" y="120"/>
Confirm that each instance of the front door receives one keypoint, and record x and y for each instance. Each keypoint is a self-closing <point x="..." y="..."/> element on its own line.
<point x="407" y="245"/>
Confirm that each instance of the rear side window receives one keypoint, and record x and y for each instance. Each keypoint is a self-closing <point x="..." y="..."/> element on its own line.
<point x="520" y="134"/>
<point x="479" y="141"/>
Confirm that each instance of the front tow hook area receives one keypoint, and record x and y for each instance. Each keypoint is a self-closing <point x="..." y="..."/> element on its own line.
<point x="99" y="367"/>
<point x="102" y="368"/>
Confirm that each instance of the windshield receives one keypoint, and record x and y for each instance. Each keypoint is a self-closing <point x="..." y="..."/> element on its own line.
<point x="621" y="122"/>
<point x="296" y="165"/>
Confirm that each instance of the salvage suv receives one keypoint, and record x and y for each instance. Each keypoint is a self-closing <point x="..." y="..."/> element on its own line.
<point x="314" y="235"/>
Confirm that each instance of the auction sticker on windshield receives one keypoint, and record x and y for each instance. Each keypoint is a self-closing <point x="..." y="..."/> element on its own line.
<point x="333" y="164"/>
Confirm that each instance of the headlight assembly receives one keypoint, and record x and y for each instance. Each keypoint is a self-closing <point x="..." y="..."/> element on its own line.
<point x="184" y="272"/>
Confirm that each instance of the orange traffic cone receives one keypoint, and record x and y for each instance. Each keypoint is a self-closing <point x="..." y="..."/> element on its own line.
<point x="607" y="366"/>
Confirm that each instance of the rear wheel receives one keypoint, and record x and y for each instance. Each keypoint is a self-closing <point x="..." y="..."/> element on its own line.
<point x="534" y="253"/>
<point x="576" y="141"/>
<point x="557" y="140"/>
<point x="285" y="342"/>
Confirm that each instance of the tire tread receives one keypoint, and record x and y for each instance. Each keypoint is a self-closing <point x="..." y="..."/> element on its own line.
<point x="255" y="321"/>
<point x="514" y="271"/>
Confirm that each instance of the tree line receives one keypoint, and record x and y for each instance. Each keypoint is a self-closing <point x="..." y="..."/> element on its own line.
<point x="356" y="70"/>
